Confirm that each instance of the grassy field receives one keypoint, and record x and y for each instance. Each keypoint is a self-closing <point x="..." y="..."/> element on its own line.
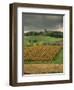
<point x="58" y="58"/>
<point x="40" y="40"/>
<point x="42" y="54"/>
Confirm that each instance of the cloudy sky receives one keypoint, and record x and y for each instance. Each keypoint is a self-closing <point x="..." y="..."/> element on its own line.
<point x="39" y="22"/>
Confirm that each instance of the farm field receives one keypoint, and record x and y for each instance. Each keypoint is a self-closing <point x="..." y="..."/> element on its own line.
<point x="57" y="60"/>
<point x="45" y="64"/>
<point x="43" y="68"/>
<point x="40" y="40"/>
<point x="43" y="54"/>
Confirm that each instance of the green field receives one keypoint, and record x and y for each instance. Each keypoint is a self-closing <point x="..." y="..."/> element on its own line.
<point x="59" y="58"/>
<point x="40" y="40"/>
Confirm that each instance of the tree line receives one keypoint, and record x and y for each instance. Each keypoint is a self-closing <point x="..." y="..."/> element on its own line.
<point x="56" y="34"/>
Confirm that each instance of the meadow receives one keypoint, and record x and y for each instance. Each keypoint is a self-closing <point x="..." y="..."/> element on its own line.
<point x="40" y="40"/>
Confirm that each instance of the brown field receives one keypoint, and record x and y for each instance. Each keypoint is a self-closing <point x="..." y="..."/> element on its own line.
<point x="43" y="68"/>
<point x="41" y="52"/>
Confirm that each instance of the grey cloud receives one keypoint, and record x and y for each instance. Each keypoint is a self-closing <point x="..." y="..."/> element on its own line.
<point x="39" y="21"/>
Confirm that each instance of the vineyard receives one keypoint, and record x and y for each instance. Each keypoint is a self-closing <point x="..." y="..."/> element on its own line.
<point x="41" y="52"/>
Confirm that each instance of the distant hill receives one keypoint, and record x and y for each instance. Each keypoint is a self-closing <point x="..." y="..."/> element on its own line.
<point x="57" y="34"/>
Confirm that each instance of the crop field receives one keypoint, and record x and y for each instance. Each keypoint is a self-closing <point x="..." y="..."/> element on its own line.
<point x="43" y="54"/>
<point x="43" y="68"/>
<point x="43" y="59"/>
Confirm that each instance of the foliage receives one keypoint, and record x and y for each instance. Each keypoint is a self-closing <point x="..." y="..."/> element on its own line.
<point x="56" y="34"/>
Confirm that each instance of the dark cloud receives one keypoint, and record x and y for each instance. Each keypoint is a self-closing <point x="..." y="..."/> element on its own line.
<point x="40" y="21"/>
